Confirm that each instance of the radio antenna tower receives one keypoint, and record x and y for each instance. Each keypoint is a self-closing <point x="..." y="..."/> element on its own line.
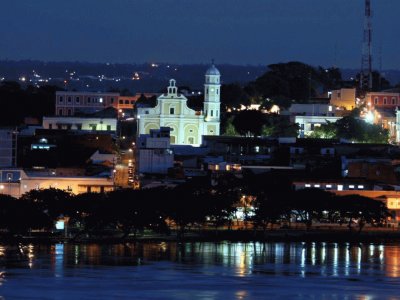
<point x="366" y="60"/>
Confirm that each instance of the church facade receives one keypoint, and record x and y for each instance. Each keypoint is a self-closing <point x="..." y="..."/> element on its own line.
<point x="187" y="125"/>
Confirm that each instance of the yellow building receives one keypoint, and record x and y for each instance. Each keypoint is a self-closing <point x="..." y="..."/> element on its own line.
<point x="187" y="125"/>
<point x="344" y="98"/>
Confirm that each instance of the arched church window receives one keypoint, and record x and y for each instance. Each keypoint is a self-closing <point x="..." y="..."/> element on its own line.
<point x="211" y="113"/>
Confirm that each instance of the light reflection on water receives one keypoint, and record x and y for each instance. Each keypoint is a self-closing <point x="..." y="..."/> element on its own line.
<point x="203" y="271"/>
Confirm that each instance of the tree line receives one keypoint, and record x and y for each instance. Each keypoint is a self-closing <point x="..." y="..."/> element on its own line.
<point x="193" y="205"/>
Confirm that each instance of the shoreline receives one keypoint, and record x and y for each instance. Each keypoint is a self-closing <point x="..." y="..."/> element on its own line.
<point x="247" y="236"/>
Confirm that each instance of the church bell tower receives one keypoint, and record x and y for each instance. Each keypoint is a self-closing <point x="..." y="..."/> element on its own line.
<point x="212" y="104"/>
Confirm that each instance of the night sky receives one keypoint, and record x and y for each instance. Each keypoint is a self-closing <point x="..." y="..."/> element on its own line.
<point x="319" y="32"/>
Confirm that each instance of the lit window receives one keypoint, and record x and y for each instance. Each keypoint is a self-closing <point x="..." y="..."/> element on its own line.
<point x="328" y="186"/>
<point x="360" y="186"/>
<point x="351" y="186"/>
<point x="340" y="187"/>
<point x="307" y="185"/>
<point x="317" y="185"/>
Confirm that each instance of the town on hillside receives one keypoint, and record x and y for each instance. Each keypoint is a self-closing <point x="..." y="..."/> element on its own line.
<point x="297" y="145"/>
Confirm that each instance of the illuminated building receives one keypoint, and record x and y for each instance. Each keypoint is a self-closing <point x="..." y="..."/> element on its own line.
<point x="187" y="125"/>
<point x="343" y="98"/>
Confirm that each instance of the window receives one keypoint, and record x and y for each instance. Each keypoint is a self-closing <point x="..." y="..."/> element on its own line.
<point x="60" y="112"/>
<point x="211" y="113"/>
<point x="88" y="100"/>
<point x="61" y="99"/>
<point x="207" y="91"/>
<point x="376" y="100"/>
<point x="217" y="91"/>
<point x="9" y="176"/>
<point x="79" y="126"/>
<point x="126" y="101"/>
<point x="77" y="100"/>
<point x="112" y="100"/>
<point x="50" y="126"/>
<point x="385" y="100"/>
<point x="121" y="101"/>
<point x="172" y="110"/>
<point x="191" y="140"/>
<point x="108" y="127"/>
<point x="393" y="100"/>
<point x="69" y="99"/>
<point x="69" y="112"/>
<point x="216" y="114"/>
<point x="132" y="102"/>
<point x="190" y="130"/>
<point x="93" y="126"/>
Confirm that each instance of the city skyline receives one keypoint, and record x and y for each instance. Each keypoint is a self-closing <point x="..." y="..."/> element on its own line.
<point x="252" y="32"/>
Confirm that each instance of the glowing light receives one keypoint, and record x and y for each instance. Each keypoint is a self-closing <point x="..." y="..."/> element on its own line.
<point x="369" y="117"/>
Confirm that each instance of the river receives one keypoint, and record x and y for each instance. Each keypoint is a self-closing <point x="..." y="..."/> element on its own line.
<point x="204" y="271"/>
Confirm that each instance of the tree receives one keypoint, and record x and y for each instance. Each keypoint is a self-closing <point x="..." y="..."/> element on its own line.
<point x="325" y="131"/>
<point x="233" y="95"/>
<point x="361" y="210"/>
<point x="355" y="129"/>
<point x="249" y="122"/>
<point x="230" y="129"/>
<point x="308" y="204"/>
<point x="53" y="202"/>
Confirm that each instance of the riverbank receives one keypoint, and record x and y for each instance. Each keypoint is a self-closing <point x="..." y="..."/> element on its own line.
<point x="375" y="235"/>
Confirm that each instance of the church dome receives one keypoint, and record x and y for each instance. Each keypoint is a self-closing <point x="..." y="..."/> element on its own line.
<point x="213" y="71"/>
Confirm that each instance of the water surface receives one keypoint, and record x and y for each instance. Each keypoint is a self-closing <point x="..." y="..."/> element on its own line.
<point x="204" y="271"/>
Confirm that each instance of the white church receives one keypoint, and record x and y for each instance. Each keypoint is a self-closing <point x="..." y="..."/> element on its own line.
<point x="187" y="125"/>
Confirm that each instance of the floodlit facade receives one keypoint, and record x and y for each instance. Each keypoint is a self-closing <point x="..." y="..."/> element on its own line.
<point x="16" y="182"/>
<point x="154" y="153"/>
<point x="187" y="125"/>
<point x="69" y="103"/>
<point x="308" y="124"/>
<point x="383" y="99"/>
<point x="343" y="98"/>
<point x="80" y="123"/>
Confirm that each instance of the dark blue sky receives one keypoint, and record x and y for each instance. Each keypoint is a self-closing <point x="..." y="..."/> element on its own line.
<point x="321" y="32"/>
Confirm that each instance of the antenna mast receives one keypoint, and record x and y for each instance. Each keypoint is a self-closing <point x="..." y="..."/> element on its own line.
<point x="366" y="60"/>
